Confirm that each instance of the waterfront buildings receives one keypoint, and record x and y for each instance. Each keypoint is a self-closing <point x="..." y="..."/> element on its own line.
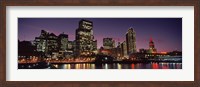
<point x="131" y="41"/>
<point x="152" y="48"/>
<point x="94" y="45"/>
<point x="63" y="42"/>
<point x="41" y="41"/>
<point x="85" y="43"/>
<point x="46" y="42"/>
<point x="108" y="43"/>
<point x="124" y="49"/>
<point x="59" y="46"/>
<point x="48" y="45"/>
<point x="70" y="46"/>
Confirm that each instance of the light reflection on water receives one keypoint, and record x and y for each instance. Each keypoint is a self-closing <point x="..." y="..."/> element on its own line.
<point x="120" y="66"/>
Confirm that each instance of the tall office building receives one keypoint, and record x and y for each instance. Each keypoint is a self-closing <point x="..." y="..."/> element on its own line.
<point x="131" y="41"/>
<point x="46" y="42"/>
<point x="152" y="48"/>
<point x="94" y="46"/>
<point x="63" y="42"/>
<point x="108" y="43"/>
<point x="41" y="41"/>
<point x="70" y="45"/>
<point x="52" y="43"/>
<point x="124" y="49"/>
<point x="70" y="48"/>
<point x="84" y="38"/>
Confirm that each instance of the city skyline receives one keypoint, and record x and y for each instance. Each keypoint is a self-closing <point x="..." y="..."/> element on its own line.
<point x="166" y="32"/>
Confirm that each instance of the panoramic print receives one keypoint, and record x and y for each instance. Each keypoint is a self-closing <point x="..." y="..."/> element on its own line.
<point x="99" y="43"/>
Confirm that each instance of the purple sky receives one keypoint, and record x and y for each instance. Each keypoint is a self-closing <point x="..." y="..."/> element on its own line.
<point x="166" y="32"/>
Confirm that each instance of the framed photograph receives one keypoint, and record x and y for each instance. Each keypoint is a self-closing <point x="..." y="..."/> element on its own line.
<point x="99" y="43"/>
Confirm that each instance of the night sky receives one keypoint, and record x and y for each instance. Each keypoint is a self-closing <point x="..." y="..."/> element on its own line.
<point x="166" y="32"/>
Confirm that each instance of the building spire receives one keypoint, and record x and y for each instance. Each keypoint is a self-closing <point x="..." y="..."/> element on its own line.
<point x="151" y="40"/>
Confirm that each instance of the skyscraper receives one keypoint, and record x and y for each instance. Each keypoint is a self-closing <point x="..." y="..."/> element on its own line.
<point x="46" y="42"/>
<point x="124" y="49"/>
<point x="131" y="41"/>
<point x="84" y="38"/>
<point x="108" y="43"/>
<point x="63" y="42"/>
<point x="152" y="48"/>
<point x="94" y="46"/>
<point x="41" y="41"/>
